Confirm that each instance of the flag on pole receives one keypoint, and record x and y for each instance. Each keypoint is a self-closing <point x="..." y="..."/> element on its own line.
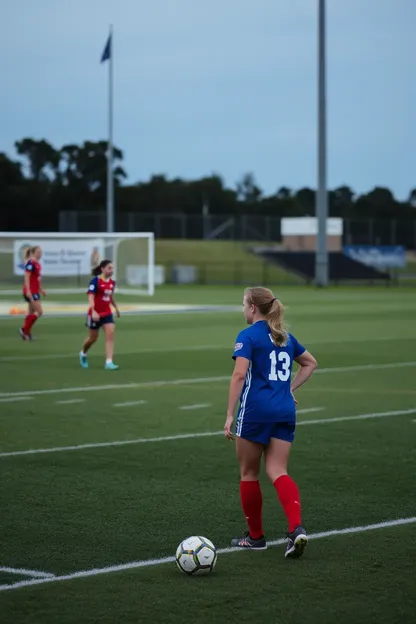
<point x="106" y="55"/>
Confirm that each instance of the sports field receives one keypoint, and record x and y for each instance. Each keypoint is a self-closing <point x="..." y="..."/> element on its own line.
<point x="104" y="473"/>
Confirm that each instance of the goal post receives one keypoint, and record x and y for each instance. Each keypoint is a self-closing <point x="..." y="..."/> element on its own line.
<point x="68" y="259"/>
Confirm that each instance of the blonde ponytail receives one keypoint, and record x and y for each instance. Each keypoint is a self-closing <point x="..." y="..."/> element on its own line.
<point x="275" y="321"/>
<point x="273" y="311"/>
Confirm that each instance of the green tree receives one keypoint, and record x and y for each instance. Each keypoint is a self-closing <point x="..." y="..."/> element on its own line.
<point x="42" y="159"/>
<point x="247" y="189"/>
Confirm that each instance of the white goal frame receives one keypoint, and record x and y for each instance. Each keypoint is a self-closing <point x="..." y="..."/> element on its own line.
<point x="106" y="236"/>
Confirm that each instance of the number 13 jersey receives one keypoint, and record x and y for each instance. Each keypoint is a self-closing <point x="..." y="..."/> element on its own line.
<point x="266" y="395"/>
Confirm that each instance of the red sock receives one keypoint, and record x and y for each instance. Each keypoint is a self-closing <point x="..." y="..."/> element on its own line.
<point x="30" y="320"/>
<point x="288" y="493"/>
<point x="252" y="503"/>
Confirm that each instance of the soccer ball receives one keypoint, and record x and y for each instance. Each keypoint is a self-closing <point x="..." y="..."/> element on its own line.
<point x="196" y="555"/>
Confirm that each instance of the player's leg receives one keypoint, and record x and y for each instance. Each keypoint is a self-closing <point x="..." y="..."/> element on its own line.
<point x="88" y="342"/>
<point x="109" y="327"/>
<point x="276" y="459"/>
<point x="35" y="311"/>
<point x="249" y="455"/>
<point x="29" y="312"/>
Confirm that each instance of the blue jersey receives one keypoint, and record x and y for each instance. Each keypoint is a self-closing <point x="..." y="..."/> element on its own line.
<point x="266" y="395"/>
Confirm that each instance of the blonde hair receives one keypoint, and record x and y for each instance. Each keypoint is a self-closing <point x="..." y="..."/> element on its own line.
<point x="30" y="251"/>
<point x="273" y="311"/>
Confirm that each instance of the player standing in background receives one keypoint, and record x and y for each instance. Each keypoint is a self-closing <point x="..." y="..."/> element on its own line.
<point x="100" y="300"/>
<point x="32" y="290"/>
<point x="264" y="354"/>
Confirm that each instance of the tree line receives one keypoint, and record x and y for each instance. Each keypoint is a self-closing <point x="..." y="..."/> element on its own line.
<point x="45" y="180"/>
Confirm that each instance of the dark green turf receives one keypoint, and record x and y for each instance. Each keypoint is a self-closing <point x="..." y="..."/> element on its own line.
<point x="74" y="510"/>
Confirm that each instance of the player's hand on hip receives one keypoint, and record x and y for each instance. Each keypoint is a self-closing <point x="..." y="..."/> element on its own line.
<point x="227" y="428"/>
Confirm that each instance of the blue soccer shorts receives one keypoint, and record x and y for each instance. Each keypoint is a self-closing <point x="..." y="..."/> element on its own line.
<point x="263" y="432"/>
<point x="104" y="320"/>
<point x="35" y="297"/>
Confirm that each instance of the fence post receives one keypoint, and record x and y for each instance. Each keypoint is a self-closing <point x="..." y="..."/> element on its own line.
<point x="348" y="231"/>
<point x="371" y="231"/>
<point x="393" y="237"/>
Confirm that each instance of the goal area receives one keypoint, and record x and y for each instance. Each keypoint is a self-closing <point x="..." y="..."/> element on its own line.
<point x="68" y="259"/>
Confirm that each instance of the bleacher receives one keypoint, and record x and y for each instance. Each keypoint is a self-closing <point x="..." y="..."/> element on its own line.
<point x="341" y="267"/>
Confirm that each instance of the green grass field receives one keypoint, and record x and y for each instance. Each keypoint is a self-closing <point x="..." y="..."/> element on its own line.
<point x="155" y="469"/>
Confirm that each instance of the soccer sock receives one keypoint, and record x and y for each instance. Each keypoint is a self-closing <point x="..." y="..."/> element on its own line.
<point x="252" y="503"/>
<point x="288" y="493"/>
<point x="30" y="320"/>
<point x="108" y="361"/>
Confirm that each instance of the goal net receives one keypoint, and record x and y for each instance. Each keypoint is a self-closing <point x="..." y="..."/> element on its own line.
<point x="68" y="259"/>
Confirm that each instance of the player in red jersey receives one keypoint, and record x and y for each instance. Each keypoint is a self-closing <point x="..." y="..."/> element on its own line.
<point x="32" y="290"/>
<point x="100" y="299"/>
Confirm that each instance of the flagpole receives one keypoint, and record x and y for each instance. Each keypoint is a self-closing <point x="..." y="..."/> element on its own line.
<point x="110" y="179"/>
<point x="321" y="255"/>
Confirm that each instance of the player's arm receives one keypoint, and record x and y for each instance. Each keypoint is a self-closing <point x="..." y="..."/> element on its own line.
<point x="41" y="289"/>
<point x="91" y="304"/>
<point x="92" y="291"/>
<point x="27" y="284"/>
<point x="242" y="357"/>
<point x="115" y="306"/>
<point x="237" y="383"/>
<point x="307" y="365"/>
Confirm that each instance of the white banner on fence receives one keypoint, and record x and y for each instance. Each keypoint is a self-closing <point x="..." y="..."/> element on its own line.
<point x="61" y="257"/>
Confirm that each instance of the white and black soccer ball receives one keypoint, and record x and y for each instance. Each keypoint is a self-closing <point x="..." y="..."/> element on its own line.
<point x="196" y="555"/>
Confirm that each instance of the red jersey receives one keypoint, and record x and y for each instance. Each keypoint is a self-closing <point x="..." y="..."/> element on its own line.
<point x="33" y="268"/>
<point x="103" y="290"/>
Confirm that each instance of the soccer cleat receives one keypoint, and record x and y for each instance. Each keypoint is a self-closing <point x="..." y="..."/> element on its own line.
<point x="83" y="360"/>
<point x="22" y="334"/>
<point x="296" y="543"/>
<point x="248" y="543"/>
<point x="111" y="366"/>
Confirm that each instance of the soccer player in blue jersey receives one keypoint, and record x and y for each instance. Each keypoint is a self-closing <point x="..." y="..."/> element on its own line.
<point x="264" y="354"/>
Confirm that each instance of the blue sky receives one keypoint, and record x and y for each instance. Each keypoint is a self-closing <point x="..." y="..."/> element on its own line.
<point x="226" y="86"/>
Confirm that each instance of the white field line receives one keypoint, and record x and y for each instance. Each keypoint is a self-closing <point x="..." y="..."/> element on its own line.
<point x="129" y="403"/>
<point x="16" y="398"/>
<point x="185" y="348"/>
<point x="70" y="402"/>
<point x="310" y="410"/>
<point x="195" y="407"/>
<point x="75" y="356"/>
<point x="24" y="572"/>
<point x="195" y="380"/>
<point x="127" y="386"/>
<point x="147" y="563"/>
<point x="188" y="436"/>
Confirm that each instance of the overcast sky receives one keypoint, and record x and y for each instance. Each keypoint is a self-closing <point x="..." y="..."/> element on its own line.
<point x="225" y="86"/>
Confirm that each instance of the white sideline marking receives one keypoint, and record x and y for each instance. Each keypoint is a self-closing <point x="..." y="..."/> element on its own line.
<point x="194" y="380"/>
<point x="312" y="343"/>
<point x="70" y="402"/>
<point x="206" y="434"/>
<point x="146" y="563"/>
<point x="62" y="356"/>
<point x="24" y="572"/>
<point x="129" y="403"/>
<point x="195" y="407"/>
<point x="17" y="398"/>
<point x="128" y="386"/>
<point x="318" y="421"/>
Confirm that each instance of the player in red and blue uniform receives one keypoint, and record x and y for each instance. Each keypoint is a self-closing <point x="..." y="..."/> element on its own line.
<point x="32" y="290"/>
<point x="264" y="354"/>
<point x="101" y="300"/>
